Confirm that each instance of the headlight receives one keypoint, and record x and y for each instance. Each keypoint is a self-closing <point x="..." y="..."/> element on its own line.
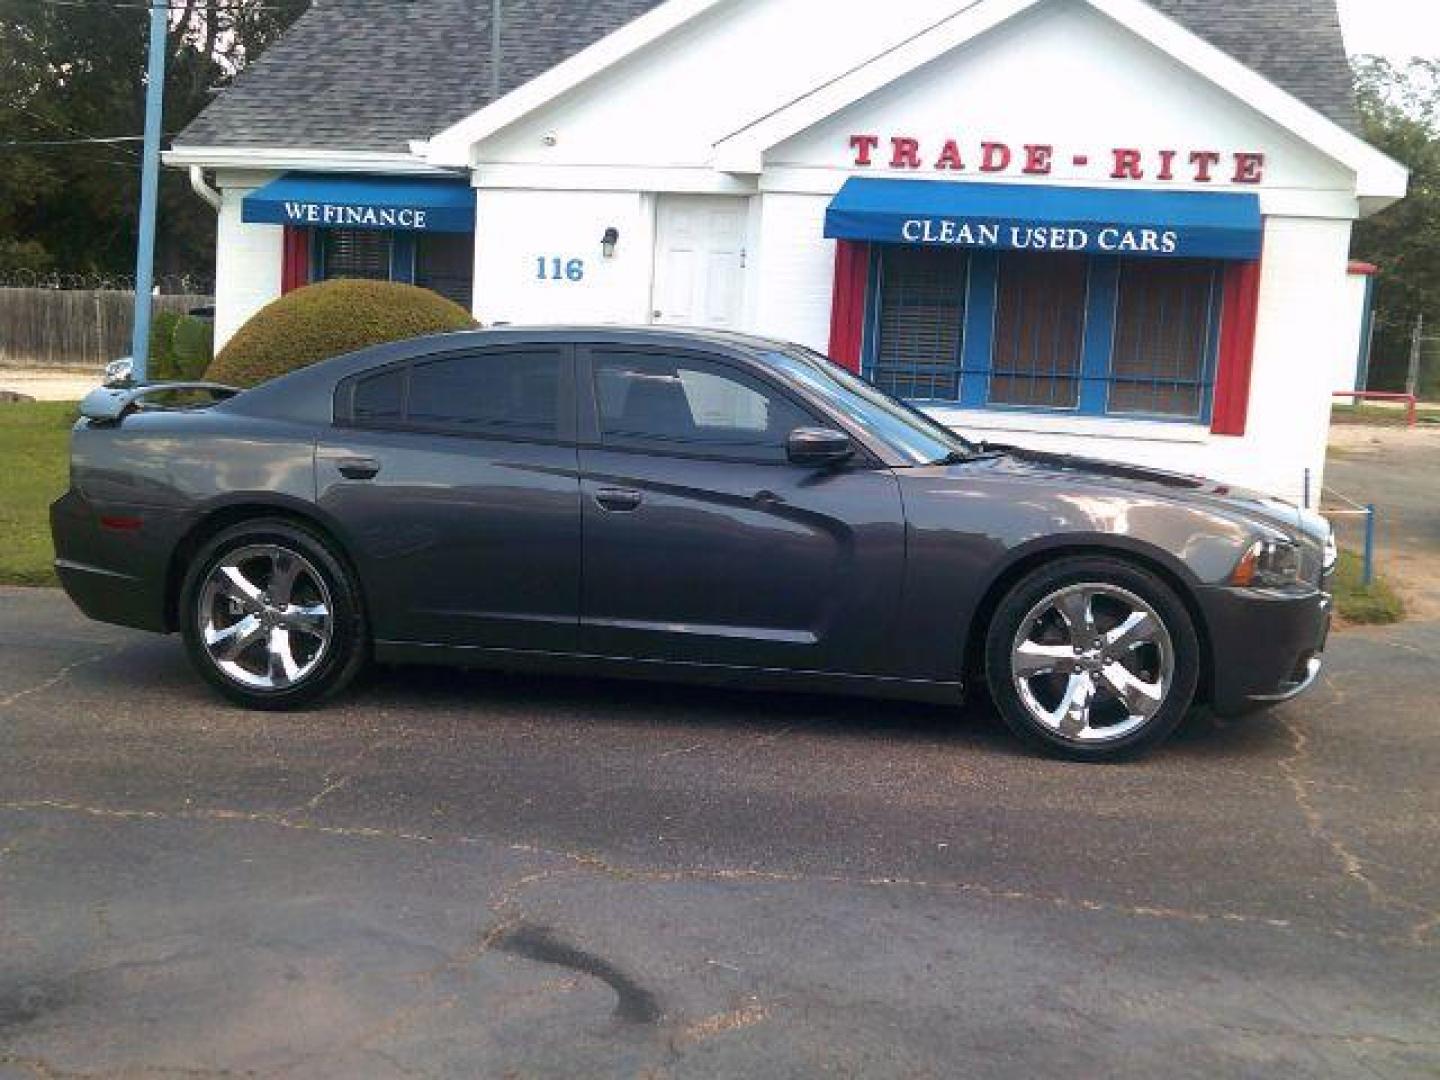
<point x="1332" y="552"/>
<point x="1269" y="564"/>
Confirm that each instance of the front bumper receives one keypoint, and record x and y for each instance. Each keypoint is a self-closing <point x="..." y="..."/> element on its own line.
<point x="1266" y="645"/>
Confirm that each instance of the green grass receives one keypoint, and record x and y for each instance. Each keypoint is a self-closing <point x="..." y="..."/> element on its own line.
<point x="34" y="450"/>
<point x="1385" y="416"/>
<point x="1375" y="605"/>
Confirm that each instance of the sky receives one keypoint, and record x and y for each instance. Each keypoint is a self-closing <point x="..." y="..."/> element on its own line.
<point x="1397" y="29"/>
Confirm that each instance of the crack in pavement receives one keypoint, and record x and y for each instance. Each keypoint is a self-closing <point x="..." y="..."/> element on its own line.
<point x="59" y="676"/>
<point x="344" y="773"/>
<point x="1351" y="865"/>
<point x="585" y="861"/>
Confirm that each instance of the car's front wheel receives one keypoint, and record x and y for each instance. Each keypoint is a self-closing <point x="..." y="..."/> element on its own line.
<point x="1091" y="658"/>
<point x="271" y="617"/>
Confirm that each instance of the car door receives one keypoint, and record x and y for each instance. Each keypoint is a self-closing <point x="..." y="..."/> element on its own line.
<point x="703" y="543"/>
<point x="455" y="479"/>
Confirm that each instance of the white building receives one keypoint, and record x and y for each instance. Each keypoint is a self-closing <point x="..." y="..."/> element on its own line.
<point x="1113" y="227"/>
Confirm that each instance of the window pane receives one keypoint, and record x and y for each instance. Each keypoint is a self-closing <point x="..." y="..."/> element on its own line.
<point x="922" y="310"/>
<point x="445" y="263"/>
<point x="681" y="404"/>
<point x="1163" y="323"/>
<point x="494" y="393"/>
<point x="355" y="253"/>
<point x="1039" y="329"/>
<point x="380" y="397"/>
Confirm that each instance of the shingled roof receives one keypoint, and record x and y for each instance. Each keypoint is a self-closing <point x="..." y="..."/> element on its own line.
<point x="375" y="74"/>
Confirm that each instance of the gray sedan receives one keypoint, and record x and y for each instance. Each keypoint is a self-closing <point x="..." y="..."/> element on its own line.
<point x="679" y="505"/>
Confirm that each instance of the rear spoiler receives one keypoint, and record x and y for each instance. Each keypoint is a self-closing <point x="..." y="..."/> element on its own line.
<point x="110" y="404"/>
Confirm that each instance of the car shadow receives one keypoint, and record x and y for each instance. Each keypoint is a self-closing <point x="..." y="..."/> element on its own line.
<point x="587" y="700"/>
<point x="576" y="699"/>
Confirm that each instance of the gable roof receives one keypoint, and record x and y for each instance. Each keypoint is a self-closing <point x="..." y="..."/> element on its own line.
<point x="373" y="75"/>
<point x="1379" y="180"/>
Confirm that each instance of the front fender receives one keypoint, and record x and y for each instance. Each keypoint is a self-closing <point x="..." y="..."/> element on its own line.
<point x="969" y="537"/>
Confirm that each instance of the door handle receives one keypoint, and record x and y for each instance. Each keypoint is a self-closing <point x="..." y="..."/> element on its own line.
<point x="618" y="500"/>
<point x="358" y="468"/>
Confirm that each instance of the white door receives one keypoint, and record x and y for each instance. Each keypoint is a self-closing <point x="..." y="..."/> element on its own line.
<point x="699" y="260"/>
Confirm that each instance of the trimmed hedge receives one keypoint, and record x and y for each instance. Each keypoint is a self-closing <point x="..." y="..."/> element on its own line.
<point x="330" y="319"/>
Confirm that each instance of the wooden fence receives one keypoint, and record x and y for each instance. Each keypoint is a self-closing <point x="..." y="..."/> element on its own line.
<point x="73" y="327"/>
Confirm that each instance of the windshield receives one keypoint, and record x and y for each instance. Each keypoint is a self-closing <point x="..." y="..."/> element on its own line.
<point x="907" y="430"/>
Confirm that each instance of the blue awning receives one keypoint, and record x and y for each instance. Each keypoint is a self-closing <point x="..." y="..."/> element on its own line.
<point x="314" y="200"/>
<point x="1161" y="224"/>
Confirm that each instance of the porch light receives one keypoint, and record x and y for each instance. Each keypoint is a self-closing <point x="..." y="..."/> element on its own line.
<point x="608" y="242"/>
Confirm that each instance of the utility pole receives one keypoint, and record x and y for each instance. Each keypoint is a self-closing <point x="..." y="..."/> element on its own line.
<point x="149" y="185"/>
<point x="1413" y="378"/>
<point x="495" y="49"/>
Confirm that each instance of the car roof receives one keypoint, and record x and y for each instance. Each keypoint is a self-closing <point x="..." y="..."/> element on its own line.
<point x="307" y="392"/>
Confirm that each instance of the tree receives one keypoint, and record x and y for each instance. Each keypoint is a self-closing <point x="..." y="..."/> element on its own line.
<point x="76" y="71"/>
<point x="1400" y="114"/>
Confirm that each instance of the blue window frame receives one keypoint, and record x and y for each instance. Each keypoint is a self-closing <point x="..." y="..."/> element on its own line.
<point x="1056" y="332"/>
<point x="919" y="320"/>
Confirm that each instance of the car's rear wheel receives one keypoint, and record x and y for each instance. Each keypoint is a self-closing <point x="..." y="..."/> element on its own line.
<point x="271" y="617"/>
<point x="1092" y="658"/>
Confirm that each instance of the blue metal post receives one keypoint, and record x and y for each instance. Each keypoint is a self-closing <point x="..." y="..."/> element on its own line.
<point x="149" y="190"/>
<point x="1368" y="574"/>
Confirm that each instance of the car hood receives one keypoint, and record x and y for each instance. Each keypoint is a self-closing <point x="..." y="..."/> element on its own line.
<point x="1292" y="521"/>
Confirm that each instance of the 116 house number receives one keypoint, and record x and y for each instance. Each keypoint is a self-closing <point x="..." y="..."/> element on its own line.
<point x="556" y="268"/>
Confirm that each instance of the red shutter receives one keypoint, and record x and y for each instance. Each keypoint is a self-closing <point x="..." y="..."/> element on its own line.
<point x="295" y="260"/>
<point x="847" y="308"/>
<point x="1239" y="308"/>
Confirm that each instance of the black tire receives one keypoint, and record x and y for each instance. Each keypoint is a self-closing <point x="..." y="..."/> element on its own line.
<point x="326" y="581"/>
<point x="1104" y="584"/>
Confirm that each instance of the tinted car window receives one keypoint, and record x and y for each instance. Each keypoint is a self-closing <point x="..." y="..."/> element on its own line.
<point x="508" y="393"/>
<point x="511" y="393"/>
<point x="684" y="404"/>
<point x="379" y="397"/>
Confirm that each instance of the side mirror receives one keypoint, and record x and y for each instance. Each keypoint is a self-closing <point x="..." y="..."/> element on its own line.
<point x="818" y="446"/>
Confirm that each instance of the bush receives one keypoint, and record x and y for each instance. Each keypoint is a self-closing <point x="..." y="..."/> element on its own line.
<point x="193" y="345"/>
<point x="330" y="319"/>
<point x="162" y="336"/>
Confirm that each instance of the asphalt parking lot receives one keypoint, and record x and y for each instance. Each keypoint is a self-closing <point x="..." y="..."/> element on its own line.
<point x="452" y="874"/>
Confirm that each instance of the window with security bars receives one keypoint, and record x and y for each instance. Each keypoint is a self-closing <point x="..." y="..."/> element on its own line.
<point x="1039" y="341"/>
<point x="918" y="332"/>
<point x="355" y="253"/>
<point x="445" y="263"/>
<point x="1164" y="330"/>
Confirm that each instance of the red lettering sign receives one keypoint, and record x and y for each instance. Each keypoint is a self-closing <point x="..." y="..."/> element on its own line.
<point x="1038" y="158"/>
<point x="1249" y="168"/>
<point x="1204" y="161"/>
<point x="1127" y="166"/>
<point x="950" y="157"/>
<point x="862" y="145"/>
<point x="994" y="157"/>
<point x="905" y="153"/>
<point x="1126" y="163"/>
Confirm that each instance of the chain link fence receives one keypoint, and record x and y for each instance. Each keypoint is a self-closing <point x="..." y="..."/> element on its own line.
<point x="80" y="321"/>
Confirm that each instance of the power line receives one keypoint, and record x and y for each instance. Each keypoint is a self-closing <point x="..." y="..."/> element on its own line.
<point x="69" y="129"/>
<point x="99" y="140"/>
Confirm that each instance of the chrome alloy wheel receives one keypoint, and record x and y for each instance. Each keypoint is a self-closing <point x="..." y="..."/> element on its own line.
<point x="1092" y="662"/>
<point x="265" y="617"/>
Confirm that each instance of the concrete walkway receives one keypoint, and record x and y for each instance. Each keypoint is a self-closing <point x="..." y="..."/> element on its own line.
<point x="48" y="384"/>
